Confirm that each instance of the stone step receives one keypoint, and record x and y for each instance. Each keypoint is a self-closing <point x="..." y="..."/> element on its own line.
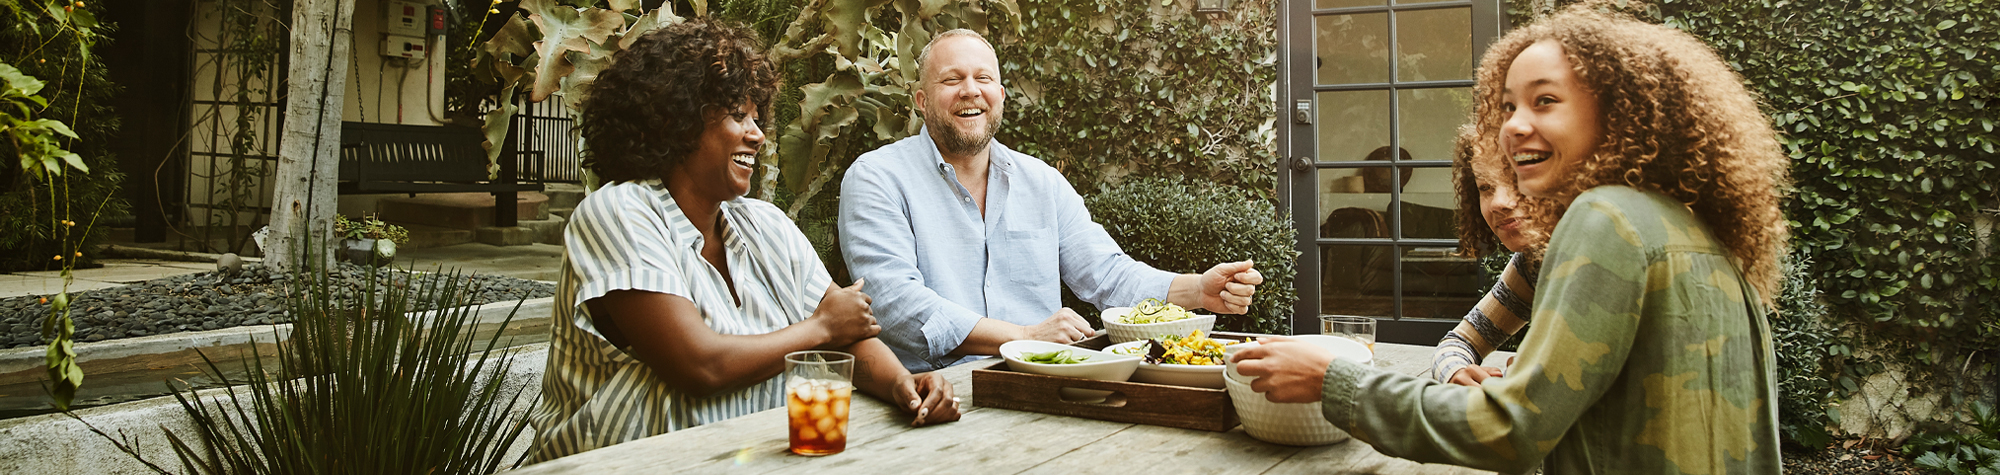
<point x="467" y="211"/>
<point x="563" y="195"/>
<point x="424" y="236"/>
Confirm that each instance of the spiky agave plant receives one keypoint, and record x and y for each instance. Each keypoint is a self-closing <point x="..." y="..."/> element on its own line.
<point x="385" y="379"/>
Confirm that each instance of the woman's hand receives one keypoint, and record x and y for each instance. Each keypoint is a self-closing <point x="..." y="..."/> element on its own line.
<point x="1285" y="369"/>
<point x="1473" y="375"/>
<point x="844" y="313"/>
<point x="929" y="396"/>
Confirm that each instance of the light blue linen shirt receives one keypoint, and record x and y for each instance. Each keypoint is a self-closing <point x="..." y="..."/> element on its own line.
<point x="935" y="266"/>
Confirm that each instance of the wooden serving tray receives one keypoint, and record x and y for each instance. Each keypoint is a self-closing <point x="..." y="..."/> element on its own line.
<point x="1140" y="403"/>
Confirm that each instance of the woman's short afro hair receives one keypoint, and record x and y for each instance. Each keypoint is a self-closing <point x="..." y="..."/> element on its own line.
<point x="646" y="112"/>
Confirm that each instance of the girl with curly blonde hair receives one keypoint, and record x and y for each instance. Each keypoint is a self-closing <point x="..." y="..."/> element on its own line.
<point x="1649" y="352"/>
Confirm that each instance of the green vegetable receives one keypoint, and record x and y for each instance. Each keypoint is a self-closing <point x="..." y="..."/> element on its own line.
<point x="1054" y="357"/>
<point x="1156" y="311"/>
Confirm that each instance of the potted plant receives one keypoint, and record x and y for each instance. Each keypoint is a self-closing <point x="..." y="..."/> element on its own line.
<point x="368" y="241"/>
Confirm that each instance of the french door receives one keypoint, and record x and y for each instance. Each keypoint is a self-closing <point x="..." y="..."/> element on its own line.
<point x="1374" y="92"/>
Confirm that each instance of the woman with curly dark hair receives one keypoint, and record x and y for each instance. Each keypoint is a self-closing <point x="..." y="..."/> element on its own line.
<point x="1650" y="352"/>
<point x="680" y="298"/>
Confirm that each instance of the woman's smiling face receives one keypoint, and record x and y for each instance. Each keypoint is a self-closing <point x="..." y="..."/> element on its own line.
<point x="1552" y="120"/>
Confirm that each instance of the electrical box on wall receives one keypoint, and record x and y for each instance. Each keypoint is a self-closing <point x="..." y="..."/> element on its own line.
<point x="403" y="47"/>
<point x="405" y="18"/>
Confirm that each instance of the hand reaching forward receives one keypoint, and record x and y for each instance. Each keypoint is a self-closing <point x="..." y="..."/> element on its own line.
<point x="1228" y="287"/>
<point x="844" y="312"/>
<point x="1064" y="327"/>
<point x="1285" y="369"/>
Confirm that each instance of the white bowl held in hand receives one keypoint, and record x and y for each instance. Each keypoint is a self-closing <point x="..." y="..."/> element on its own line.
<point x="1114" y="323"/>
<point x="1200" y="376"/>
<point x="1288" y="423"/>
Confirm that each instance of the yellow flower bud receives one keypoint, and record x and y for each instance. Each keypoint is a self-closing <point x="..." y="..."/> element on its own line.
<point x="58" y="257"/>
<point x="495" y="11"/>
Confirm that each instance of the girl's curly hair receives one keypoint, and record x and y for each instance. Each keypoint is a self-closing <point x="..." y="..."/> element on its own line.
<point x="1677" y="121"/>
<point x="647" y="111"/>
<point x="1474" y="233"/>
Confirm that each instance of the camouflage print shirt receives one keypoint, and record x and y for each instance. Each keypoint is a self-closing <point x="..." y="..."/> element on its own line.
<point x="1649" y="354"/>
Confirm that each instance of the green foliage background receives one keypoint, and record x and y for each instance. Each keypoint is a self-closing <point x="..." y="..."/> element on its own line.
<point x="79" y="94"/>
<point x="1188" y="226"/>
<point x="1888" y="111"/>
<point x="1105" y="88"/>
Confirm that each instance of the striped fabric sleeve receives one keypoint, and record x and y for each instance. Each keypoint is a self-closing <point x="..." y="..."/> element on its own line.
<point x="1498" y="316"/>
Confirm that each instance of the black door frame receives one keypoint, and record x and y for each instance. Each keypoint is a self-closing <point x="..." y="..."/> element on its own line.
<point x="1298" y="190"/>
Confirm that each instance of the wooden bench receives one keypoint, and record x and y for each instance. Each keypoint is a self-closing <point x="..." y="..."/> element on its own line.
<point x="397" y="158"/>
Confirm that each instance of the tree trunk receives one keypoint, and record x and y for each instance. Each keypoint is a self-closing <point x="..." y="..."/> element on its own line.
<point x="309" y="152"/>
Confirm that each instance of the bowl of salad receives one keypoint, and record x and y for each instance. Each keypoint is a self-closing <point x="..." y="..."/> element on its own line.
<point x="1056" y="359"/>
<point x="1185" y="360"/>
<point x="1153" y="318"/>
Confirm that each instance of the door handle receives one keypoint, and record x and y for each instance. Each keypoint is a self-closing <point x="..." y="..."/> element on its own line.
<point x="1302" y="164"/>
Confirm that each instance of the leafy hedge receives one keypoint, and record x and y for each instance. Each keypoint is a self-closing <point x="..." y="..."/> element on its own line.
<point x="1187" y="226"/>
<point x="1104" y="88"/>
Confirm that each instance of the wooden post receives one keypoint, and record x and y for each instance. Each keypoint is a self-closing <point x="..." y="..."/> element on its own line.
<point x="309" y="153"/>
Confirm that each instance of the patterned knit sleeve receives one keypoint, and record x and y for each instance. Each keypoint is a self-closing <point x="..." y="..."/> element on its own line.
<point x="1497" y="317"/>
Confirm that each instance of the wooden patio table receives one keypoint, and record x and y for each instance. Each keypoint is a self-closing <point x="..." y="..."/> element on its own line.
<point x="989" y="440"/>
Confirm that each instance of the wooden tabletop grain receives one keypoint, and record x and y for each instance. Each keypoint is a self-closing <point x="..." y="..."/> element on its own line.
<point x="993" y="441"/>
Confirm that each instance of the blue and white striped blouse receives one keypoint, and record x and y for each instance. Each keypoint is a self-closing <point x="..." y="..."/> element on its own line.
<point x="632" y="235"/>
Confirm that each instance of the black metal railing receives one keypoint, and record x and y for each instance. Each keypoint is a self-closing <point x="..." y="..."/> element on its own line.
<point x="546" y="142"/>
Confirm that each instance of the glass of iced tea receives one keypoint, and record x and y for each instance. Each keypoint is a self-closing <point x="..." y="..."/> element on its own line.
<point x="1361" y="329"/>
<point x="819" y="385"/>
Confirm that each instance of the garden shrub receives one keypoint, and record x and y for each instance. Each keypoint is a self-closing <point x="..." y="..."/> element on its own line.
<point x="1805" y="342"/>
<point x="1188" y="226"/>
<point x="1974" y="451"/>
<point x="32" y="211"/>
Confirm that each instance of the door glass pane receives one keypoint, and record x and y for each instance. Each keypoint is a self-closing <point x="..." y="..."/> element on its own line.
<point x="1440" y="283"/>
<point x="1350" y="206"/>
<point x="1434" y="45"/>
<point x="1430" y="120"/>
<point x="1352" y="48"/>
<point x="1357" y="280"/>
<point x="1323" y="4"/>
<point x="1352" y="124"/>
<point x="1429" y="205"/>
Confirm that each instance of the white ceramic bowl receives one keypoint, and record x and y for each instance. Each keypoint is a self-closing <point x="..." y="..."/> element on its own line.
<point x="1288" y="423"/>
<point x="1114" y="323"/>
<point x="1102" y="366"/>
<point x="1200" y="376"/>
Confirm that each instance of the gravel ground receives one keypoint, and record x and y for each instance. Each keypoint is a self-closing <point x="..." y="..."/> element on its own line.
<point x="209" y="301"/>
<point x="1850" y="456"/>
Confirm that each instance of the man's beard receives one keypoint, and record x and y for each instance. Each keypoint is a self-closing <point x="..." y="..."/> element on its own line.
<point x="952" y="142"/>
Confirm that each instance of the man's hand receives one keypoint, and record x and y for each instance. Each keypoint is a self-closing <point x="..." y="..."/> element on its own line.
<point x="1473" y="375"/>
<point x="845" y="314"/>
<point x="1064" y="327"/>
<point x="1285" y="369"/>
<point x="1228" y="287"/>
<point x="930" y="398"/>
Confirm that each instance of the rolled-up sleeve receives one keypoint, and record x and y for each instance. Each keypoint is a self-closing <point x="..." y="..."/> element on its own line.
<point x="879" y="244"/>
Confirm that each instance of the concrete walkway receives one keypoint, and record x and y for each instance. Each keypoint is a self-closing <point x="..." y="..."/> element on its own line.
<point x="115" y="272"/>
<point x="533" y="262"/>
